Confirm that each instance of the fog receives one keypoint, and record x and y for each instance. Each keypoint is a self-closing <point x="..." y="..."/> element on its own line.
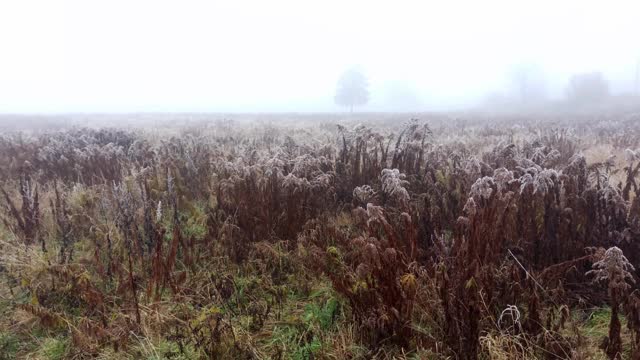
<point x="271" y="56"/>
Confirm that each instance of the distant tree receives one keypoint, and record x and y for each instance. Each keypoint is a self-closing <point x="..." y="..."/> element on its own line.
<point x="529" y="83"/>
<point x="587" y="87"/>
<point x="352" y="89"/>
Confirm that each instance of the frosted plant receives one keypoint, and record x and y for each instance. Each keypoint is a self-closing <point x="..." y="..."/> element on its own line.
<point x="375" y="213"/>
<point x="482" y="188"/>
<point x="552" y="158"/>
<point x="360" y="215"/>
<point x="610" y="193"/>
<point x="502" y="177"/>
<point x="364" y="193"/>
<point x="77" y="188"/>
<point x="505" y="150"/>
<point x="393" y="183"/>
<point x="390" y="254"/>
<point x="526" y="180"/>
<point x="105" y="205"/>
<point x="538" y="156"/>
<point x="125" y="208"/>
<point x="372" y="255"/>
<point x="577" y="162"/>
<point x="513" y="313"/>
<point x="322" y="181"/>
<point x="599" y="172"/>
<point x="63" y="160"/>
<point x="27" y="192"/>
<point x="294" y="184"/>
<point x="527" y="165"/>
<point x="46" y="154"/>
<point x="228" y="168"/>
<point x="470" y="208"/>
<point x="542" y="182"/>
<point x="615" y="203"/>
<point x="359" y="128"/>
<point x="359" y="133"/>
<point x="290" y="181"/>
<point x="191" y="165"/>
<point x="363" y="271"/>
<point x="630" y="155"/>
<point x="28" y="219"/>
<point x="170" y="184"/>
<point x="305" y="165"/>
<point x="473" y="168"/>
<point x="613" y="268"/>
<point x="462" y="222"/>
<point x="142" y="174"/>
<point x="159" y="211"/>
<point x="275" y="165"/>
<point x="138" y="149"/>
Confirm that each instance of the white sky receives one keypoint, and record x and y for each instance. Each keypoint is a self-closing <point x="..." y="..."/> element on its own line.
<point x="192" y="55"/>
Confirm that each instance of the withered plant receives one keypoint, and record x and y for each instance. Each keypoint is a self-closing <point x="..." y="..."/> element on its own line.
<point x="26" y="221"/>
<point x="615" y="270"/>
<point x="453" y="237"/>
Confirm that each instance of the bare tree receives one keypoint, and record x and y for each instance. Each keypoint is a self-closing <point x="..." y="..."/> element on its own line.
<point x="352" y="89"/>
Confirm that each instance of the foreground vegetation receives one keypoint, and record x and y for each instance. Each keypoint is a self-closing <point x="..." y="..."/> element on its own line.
<point x="425" y="239"/>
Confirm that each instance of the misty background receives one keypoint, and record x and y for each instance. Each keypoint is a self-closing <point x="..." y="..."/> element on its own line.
<point x="260" y="56"/>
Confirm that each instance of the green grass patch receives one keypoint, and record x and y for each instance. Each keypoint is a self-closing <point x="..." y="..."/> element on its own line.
<point x="9" y="346"/>
<point x="171" y="350"/>
<point x="53" y="349"/>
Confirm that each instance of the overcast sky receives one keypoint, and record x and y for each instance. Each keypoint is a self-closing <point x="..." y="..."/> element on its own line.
<point x="240" y="55"/>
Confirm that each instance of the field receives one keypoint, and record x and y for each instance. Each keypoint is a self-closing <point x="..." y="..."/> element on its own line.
<point x="370" y="236"/>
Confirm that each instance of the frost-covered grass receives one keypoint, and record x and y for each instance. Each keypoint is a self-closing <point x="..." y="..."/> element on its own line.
<point x="323" y="238"/>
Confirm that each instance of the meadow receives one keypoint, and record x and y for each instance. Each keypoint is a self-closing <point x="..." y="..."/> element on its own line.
<point x="327" y="236"/>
